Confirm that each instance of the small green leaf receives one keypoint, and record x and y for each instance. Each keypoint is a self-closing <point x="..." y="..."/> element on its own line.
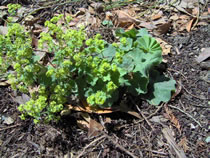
<point x="129" y="34"/>
<point x="107" y="23"/>
<point x="142" y="32"/>
<point x="138" y="84"/>
<point x="160" y="88"/>
<point x="109" y="52"/>
<point x="128" y="45"/>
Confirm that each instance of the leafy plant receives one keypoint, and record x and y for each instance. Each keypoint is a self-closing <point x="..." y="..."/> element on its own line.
<point x="91" y="69"/>
<point x="12" y="8"/>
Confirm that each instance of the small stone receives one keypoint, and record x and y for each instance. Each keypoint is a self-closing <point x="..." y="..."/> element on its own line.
<point x="8" y="120"/>
<point x="192" y="126"/>
<point x="207" y="139"/>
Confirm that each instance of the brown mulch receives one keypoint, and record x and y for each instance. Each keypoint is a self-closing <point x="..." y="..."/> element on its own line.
<point x="125" y="135"/>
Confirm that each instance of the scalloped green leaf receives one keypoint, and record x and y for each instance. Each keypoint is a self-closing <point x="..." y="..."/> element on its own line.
<point x="109" y="52"/>
<point x="160" y="88"/>
<point x="130" y="34"/>
<point x="148" y="45"/>
<point x="142" y="32"/>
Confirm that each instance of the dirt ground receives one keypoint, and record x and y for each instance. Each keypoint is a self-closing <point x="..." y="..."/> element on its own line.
<point x="176" y="129"/>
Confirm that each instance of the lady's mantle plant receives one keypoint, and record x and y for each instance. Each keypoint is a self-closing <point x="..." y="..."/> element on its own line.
<point x="89" y="68"/>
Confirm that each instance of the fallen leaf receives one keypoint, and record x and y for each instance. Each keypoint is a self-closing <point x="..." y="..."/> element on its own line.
<point x="123" y="19"/>
<point x="169" y="115"/>
<point x="161" y="21"/>
<point x="94" y="128"/>
<point x="107" y="120"/>
<point x="189" y="25"/>
<point x="4" y="83"/>
<point x="163" y="29"/>
<point x="202" y="23"/>
<point x="195" y="11"/>
<point x="37" y="29"/>
<point x="98" y="7"/>
<point x="205" y="54"/>
<point x="75" y="21"/>
<point x="3" y="7"/>
<point x="124" y="108"/>
<point x="174" y="17"/>
<point x="34" y="41"/>
<point x="90" y="109"/>
<point x="183" y="143"/>
<point x="147" y="25"/>
<point x="84" y="125"/>
<point x="158" y="119"/>
<point x="156" y="15"/>
<point x="166" y="48"/>
<point x="130" y="27"/>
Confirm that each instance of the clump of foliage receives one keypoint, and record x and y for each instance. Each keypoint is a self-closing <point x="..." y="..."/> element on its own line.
<point x="12" y="8"/>
<point x="89" y="68"/>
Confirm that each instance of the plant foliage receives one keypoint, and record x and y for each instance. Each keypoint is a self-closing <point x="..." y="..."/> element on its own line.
<point x="89" y="68"/>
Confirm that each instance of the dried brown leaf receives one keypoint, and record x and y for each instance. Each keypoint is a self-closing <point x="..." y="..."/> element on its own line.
<point x="184" y="144"/>
<point x="4" y="83"/>
<point x="174" y="17"/>
<point x="172" y="118"/>
<point x="86" y="108"/>
<point x="123" y="19"/>
<point x="94" y="128"/>
<point x="84" y="125"/>
<point x="164" y="28"/>
<point x="189" y="25"/>
<point x="3" y="7"/>
<point x="108" y="120"/>
<point x="156" y="15"/>
<point x="147" y="25"/>
<point x="166" y="48"/>
<point x="130" y="27"/>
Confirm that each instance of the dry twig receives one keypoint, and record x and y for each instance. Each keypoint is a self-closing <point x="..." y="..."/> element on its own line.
<point x="145" y="118"/>
<point x="10" y="127"/>
<point x="174" y="107"/>
<point x="119" y="146"/>
<point x="91" y="143"/>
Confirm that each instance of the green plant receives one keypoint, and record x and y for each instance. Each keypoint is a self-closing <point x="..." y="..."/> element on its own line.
<point x="91" y="69"/>
<point x="12" y="8"/>
<point x="107" y="23"/>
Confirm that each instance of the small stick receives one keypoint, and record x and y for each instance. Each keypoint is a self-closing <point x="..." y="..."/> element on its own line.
<point x="178" y="72"/>
<point x="145" y="118"/>
<point x="174" y="107"/>
<point x="91" y="143"/>
<point x="9" y="127"/>
<point x="120" y="147"/>
<point x="152" y="114"/>
<point x="193" y="94"/>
